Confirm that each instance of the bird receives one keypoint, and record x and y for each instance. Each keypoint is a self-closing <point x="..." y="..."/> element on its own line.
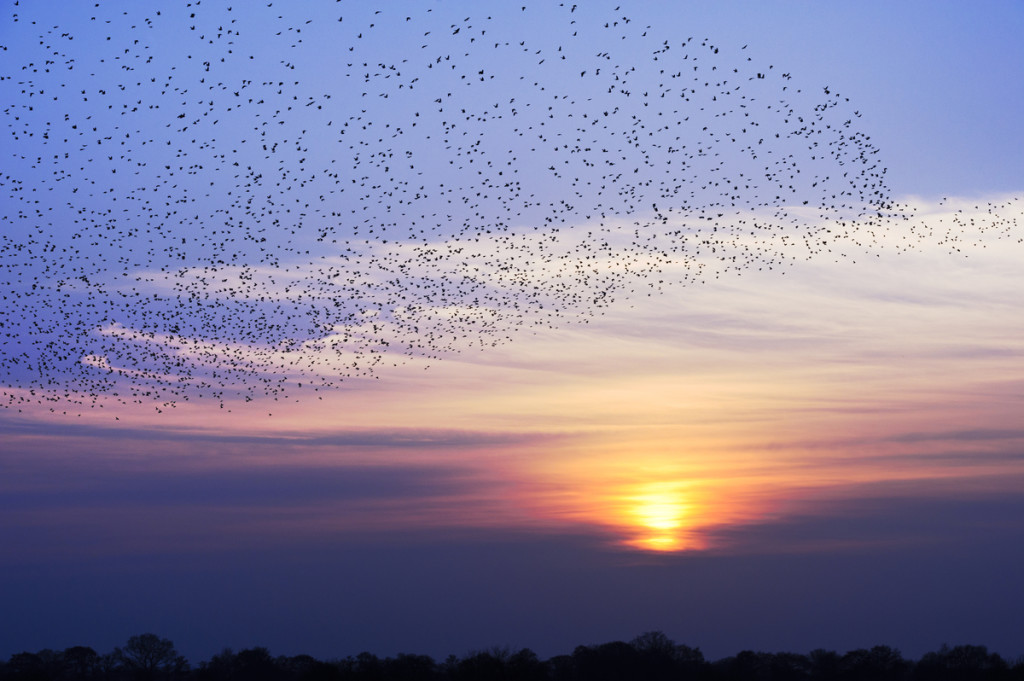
<point x="213" y="203"/>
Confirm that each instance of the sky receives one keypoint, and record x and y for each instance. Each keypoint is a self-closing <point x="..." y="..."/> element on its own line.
<point x="386" y="327"/>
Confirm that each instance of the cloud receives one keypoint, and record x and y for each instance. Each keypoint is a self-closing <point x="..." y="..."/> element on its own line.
<point x="885" y="516"/>
<point x="86" y="486"/>
<point x="390" y="437"/>
<point x="971" y="435"/>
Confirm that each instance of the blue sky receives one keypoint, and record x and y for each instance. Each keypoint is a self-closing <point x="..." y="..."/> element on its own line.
<point x="360" y="391"/>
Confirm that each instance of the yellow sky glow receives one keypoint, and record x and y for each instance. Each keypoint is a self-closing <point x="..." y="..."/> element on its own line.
<point x="702" y="407"/>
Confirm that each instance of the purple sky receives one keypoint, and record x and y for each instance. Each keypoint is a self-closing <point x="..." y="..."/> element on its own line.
<point x="822" y="449"/>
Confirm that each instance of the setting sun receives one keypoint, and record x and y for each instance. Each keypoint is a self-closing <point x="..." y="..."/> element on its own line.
<point x="659" y="514"/>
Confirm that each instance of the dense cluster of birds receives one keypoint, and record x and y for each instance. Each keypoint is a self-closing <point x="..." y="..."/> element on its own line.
<point x="202" y="201"/>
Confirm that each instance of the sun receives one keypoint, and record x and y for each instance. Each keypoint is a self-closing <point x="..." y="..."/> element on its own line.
<point x="659" y="513"/>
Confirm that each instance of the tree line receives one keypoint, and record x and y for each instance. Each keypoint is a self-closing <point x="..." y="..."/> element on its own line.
<point x="649" y="657"/>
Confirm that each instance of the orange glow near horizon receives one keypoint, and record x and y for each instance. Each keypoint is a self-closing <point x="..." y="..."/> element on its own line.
<point x="671" y="515"/>
<point x="661" y="516"/>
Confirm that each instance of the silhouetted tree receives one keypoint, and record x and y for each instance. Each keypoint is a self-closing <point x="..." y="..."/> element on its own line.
<point x="308" y="668"/>
<point x="217" y="668"/>
<point x="485" y="665"/>
<point x="81" y="663"/>
<point x="562" y="667"/>
<point x="747" y="665"/>
<point x="825" y="665"/>
<point x="656" y="655"/>
<point x="525" y="666"/>
<point x="256" y="664"/>
<point x="110" y="665"/>
<point x="652" y="656"/>
<point x="407" y="667"/>
<point x="367" y="667"/>
<point x="881" y="662"/>
<point x="790" y="667"/>
<point x="147" y="656"/>
<point x="1016" y="671"/>
<point x="26" y="667"/>
<point x="961" y="663"/>
<point x="691" y="664"/>
<point x="613" y="661"/>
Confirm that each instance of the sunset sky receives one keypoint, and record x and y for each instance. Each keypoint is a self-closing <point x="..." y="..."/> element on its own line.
<point x="821" y="451"/>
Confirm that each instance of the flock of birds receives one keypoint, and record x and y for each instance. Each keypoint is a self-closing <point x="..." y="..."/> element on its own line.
<point x="211" y="202"/>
